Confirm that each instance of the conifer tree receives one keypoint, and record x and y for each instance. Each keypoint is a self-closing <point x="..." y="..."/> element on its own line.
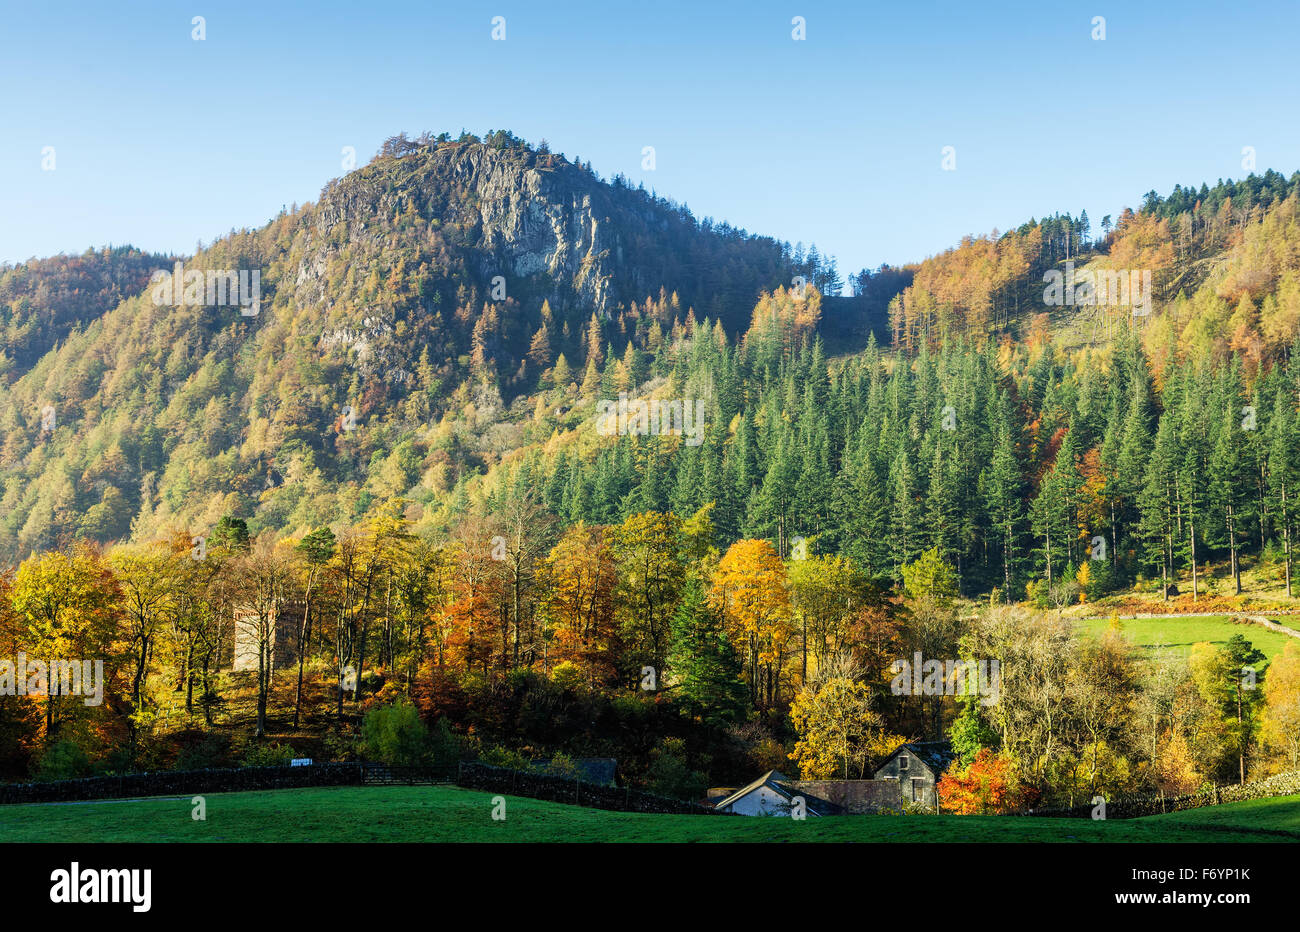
<point x="1003" y="491"/>
<point x="703" y="660"/>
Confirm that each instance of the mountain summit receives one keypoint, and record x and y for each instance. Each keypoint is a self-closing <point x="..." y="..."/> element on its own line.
<point x="443" y="273"/>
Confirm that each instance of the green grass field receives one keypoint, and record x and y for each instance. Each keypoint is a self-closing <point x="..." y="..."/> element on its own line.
<point x="451" y="814"/>
<point x="1181" y="633"/>
<point x="1287" y="621"/>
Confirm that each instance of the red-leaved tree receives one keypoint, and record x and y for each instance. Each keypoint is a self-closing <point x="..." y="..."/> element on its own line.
<point x="989" y="785"/>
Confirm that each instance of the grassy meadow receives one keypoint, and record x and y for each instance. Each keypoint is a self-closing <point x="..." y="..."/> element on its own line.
<point x="452" y="814"/>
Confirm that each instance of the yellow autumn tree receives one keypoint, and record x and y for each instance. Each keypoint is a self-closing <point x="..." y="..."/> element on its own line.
<point x="580" y="575"/>
<point x="1282" y="709"/>
<point x="750" y="589"/>
<point x="69" y="607"/>
<point x="648" y="551"/>
<point x="826" y="595"/>
<point x="1176" y="772"/>
<point x="837" y="729"/>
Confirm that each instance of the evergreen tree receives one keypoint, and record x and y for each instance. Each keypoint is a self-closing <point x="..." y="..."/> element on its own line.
<point x="1002" y="486"/>
<point x="704" y="661"/>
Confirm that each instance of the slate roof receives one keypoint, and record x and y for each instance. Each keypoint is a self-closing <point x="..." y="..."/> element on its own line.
<point x="777" y="782"/>
<point x="937" y="755"/>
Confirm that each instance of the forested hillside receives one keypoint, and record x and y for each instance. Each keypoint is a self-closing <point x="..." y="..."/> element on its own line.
<point x="444" y="278"/>
<point x="1170" y="435"/>
<point x="1223" y="243"/>
<point x="44" y="300"/>
<point x="436" y="439"/>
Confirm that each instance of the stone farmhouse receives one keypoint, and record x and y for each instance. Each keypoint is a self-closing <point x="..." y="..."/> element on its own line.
<point x="907" y="777"/>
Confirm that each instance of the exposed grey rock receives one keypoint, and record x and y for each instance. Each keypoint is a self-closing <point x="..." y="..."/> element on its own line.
<point x="525" y="215"/>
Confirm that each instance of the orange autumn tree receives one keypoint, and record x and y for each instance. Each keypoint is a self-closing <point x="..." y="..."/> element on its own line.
<point x="989" y="785"/>
<point x="751" y="590"/>
<point x="476" y="609"/>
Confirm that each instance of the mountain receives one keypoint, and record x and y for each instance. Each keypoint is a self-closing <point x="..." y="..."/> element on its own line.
<point x="445" y="273"/>
<point x="554" y="230"/>
<point x="442" y="323"/>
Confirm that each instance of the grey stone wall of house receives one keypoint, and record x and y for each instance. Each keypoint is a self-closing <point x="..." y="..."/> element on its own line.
<point x="855" y="797"/>
<point x="914" y="781"/>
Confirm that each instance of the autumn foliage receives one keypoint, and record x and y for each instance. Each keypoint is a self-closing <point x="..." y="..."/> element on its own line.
<point x="988" y="786"/>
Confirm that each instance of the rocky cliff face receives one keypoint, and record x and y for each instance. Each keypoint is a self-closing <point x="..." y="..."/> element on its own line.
<point x="578" y="241"/>
<point x="520" y="213"/>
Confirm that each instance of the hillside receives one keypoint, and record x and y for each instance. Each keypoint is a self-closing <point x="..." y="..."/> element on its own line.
<point x="461" y="482"/>
<point x="382" y="299"/>
<point x="44" y="300"/>
<point x="439" y="298"/>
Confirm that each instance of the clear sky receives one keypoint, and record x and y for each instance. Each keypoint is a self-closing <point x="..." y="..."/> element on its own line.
<point x="162" y="141"/>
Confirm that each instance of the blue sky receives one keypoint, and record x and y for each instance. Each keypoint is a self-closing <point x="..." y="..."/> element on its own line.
<point x="162" y="141"/>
